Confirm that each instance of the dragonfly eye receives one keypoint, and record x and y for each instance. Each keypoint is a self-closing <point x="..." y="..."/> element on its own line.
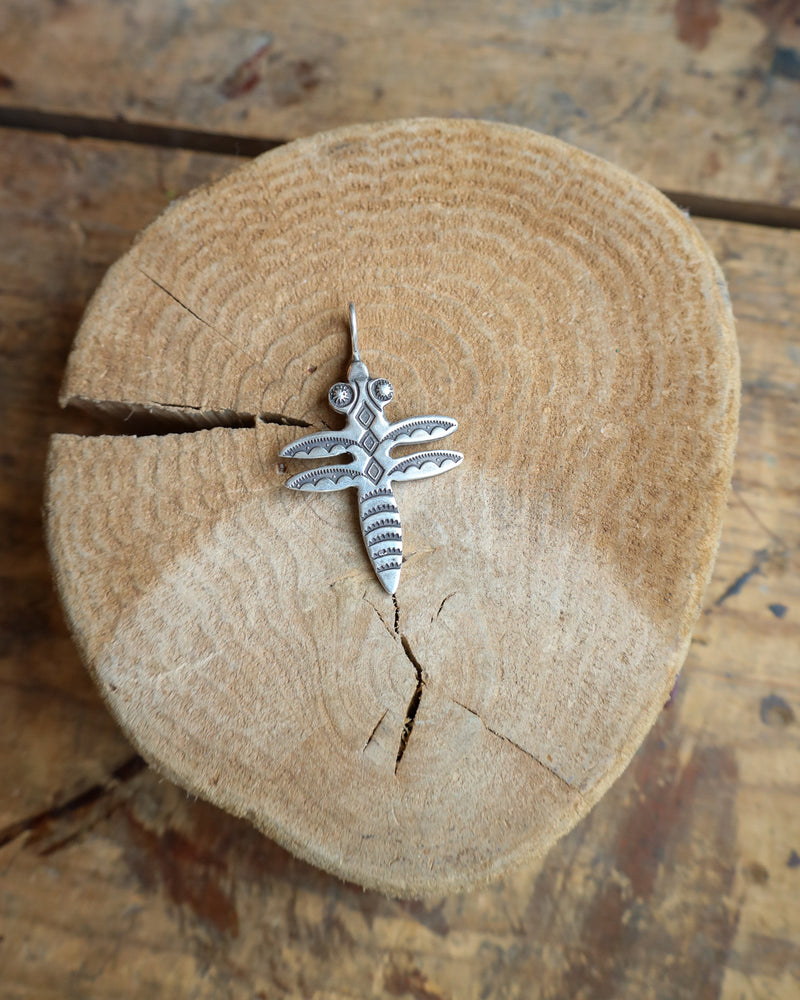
<point x="381" y="390"/>
<point x="341" y="397"/>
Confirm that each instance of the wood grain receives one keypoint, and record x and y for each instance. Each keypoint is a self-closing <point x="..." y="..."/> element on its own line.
<point x="681" y="875"/>
<point x="697" y="97"/>
<point x="550" y="588"/>
<point x="67" y="210"/>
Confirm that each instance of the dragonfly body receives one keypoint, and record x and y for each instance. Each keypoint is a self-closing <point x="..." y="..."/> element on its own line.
<point x="369" y="438"/>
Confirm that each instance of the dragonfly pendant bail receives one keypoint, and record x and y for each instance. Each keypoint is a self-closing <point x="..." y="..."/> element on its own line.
<point x="369" y="438"/>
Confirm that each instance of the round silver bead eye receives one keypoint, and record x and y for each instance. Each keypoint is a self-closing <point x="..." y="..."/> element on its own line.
<point x="382" y="391"/>
<point x="341" y="396"/>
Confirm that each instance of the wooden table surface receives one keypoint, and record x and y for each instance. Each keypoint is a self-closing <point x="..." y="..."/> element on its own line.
<point x="685" y="880"/>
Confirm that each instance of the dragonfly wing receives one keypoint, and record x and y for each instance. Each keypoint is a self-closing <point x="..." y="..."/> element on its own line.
<point x="419" y="429"/>
<point x="424" y="464"/>
<point x="326" y="479"/>
<point x="322" y="445"/>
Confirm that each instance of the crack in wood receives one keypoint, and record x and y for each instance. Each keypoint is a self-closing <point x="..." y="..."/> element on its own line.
<point x="283" y="420"/>
<point x="210" y="326"/>
<point x="413" y="705"/>
<point x="392" y="632"/>
<point x="156" y="418"/>
<point x="374" y="730"/>
<point x="453" y="594"/>
<point x="416" y="697"/>
<point x="507" y="739"/>
<point x="119" y="776"/>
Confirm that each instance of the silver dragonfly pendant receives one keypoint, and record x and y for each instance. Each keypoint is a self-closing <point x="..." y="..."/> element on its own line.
<point x="369" y="438"/>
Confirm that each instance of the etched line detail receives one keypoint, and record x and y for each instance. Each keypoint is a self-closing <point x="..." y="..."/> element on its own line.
<point x="384" y="522"/>
<point x="418" y="462"/>
<point x="388" y="567"/>
<point x="386" y="555"/>
<point x="316" y="479"/>
<point x="314" y="444"/>
<point x="371" y="494"/>
<point x="382" y="508"/>
<point x="419" y="428"/>
<point x="387" y="536"/>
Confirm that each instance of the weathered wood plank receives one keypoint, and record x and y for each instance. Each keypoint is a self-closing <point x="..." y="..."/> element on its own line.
<point x="66" y="211"/>
<point x="757" y="574"/>
<point x="686" y="873"/>
<point x="698" y="97"/>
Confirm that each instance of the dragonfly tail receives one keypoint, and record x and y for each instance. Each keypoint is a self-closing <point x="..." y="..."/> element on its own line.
<point x="383" y="534"/>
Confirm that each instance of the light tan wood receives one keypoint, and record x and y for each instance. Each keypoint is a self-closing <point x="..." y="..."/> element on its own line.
<point x="691" y="96"/>
<point x="578" y="328"/>
<point x="681" y="873"/>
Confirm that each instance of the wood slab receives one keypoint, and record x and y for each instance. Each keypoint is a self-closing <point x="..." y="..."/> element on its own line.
<point x="577" y="327"/>
<point x="684" y="873"/>
<point x="694" y="97"/>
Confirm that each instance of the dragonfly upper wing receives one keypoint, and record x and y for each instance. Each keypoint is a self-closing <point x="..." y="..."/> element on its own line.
<point x="328" y="443"/>
<point x="329" y="477"/>
<point x="417" y="429"/>
<point x="424" y="464"/>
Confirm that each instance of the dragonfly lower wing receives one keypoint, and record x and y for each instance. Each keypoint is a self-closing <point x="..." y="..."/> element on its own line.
<point x="424" y="464"/>
<point x="326" y="479"/>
